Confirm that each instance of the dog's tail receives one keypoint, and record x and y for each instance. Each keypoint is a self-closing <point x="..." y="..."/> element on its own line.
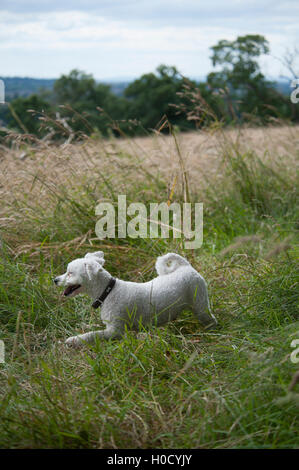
<point x="168" y="263"/>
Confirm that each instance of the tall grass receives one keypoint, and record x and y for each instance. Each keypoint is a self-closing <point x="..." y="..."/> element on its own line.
<point x="176" y="386"/>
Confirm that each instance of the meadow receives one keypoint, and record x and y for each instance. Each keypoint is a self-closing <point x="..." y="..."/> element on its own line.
<point x="173" y="387"/>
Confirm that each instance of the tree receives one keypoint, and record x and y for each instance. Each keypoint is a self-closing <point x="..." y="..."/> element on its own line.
<point x="290" y="61"/>
<point x="154" y="95"/>
<point x="19" y="114"/>
<point x="88" y="105"/>
<point x="245" y="89"/>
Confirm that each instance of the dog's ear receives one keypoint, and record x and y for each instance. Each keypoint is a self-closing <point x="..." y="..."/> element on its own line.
<point x="98" y="257"/>
<point x="92" y="268"/>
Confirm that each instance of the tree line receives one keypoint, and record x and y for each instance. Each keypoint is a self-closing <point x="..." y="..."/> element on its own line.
<point x="236" y="92"/>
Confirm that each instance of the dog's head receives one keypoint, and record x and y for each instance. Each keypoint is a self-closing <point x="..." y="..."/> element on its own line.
<point x="81" y="274"/>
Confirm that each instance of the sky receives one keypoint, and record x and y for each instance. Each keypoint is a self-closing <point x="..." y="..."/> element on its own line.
<point x="123" y="39"/>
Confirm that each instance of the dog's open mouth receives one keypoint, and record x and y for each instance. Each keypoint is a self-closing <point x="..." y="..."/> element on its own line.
<point x="71" y="289"/>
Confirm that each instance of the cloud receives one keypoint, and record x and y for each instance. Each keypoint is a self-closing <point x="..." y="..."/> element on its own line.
<point x="162" y="12"/>
<point x="131" y="37"/>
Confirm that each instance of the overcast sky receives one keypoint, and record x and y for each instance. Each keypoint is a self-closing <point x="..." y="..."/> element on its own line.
<point x="126" y="38"/>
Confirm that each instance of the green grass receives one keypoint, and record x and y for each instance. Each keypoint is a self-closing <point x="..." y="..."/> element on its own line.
<point x="172" y="387"/>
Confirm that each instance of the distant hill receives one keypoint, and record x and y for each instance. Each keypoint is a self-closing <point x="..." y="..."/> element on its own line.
<point x="25" y="86"/>
<point x="117" y="88"/>
<point x="283" y="86"/>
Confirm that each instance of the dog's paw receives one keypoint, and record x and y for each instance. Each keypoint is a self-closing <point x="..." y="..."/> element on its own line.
<point x="73" y="341"/>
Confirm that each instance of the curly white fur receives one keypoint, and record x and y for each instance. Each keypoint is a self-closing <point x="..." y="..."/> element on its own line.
<point x="132" y="305"/>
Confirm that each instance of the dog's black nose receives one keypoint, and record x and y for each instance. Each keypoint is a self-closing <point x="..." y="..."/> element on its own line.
<point x="55" y="280"/>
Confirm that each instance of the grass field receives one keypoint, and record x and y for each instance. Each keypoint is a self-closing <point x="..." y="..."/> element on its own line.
<point x="173" y="387"/>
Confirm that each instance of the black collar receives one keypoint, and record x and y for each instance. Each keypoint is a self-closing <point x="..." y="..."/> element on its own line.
<point x="99" y="301"/>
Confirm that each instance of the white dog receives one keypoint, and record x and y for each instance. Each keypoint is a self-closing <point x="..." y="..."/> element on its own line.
<point x="178" y="287"/>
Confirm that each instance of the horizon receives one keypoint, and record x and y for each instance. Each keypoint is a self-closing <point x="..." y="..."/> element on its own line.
<point x="127" y="79"/>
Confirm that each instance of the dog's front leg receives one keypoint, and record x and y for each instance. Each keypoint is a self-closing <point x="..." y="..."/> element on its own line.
<point x="90" y="337"/>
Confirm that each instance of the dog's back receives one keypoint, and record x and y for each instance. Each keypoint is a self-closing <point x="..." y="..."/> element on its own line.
<point x="169" y="263"/>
